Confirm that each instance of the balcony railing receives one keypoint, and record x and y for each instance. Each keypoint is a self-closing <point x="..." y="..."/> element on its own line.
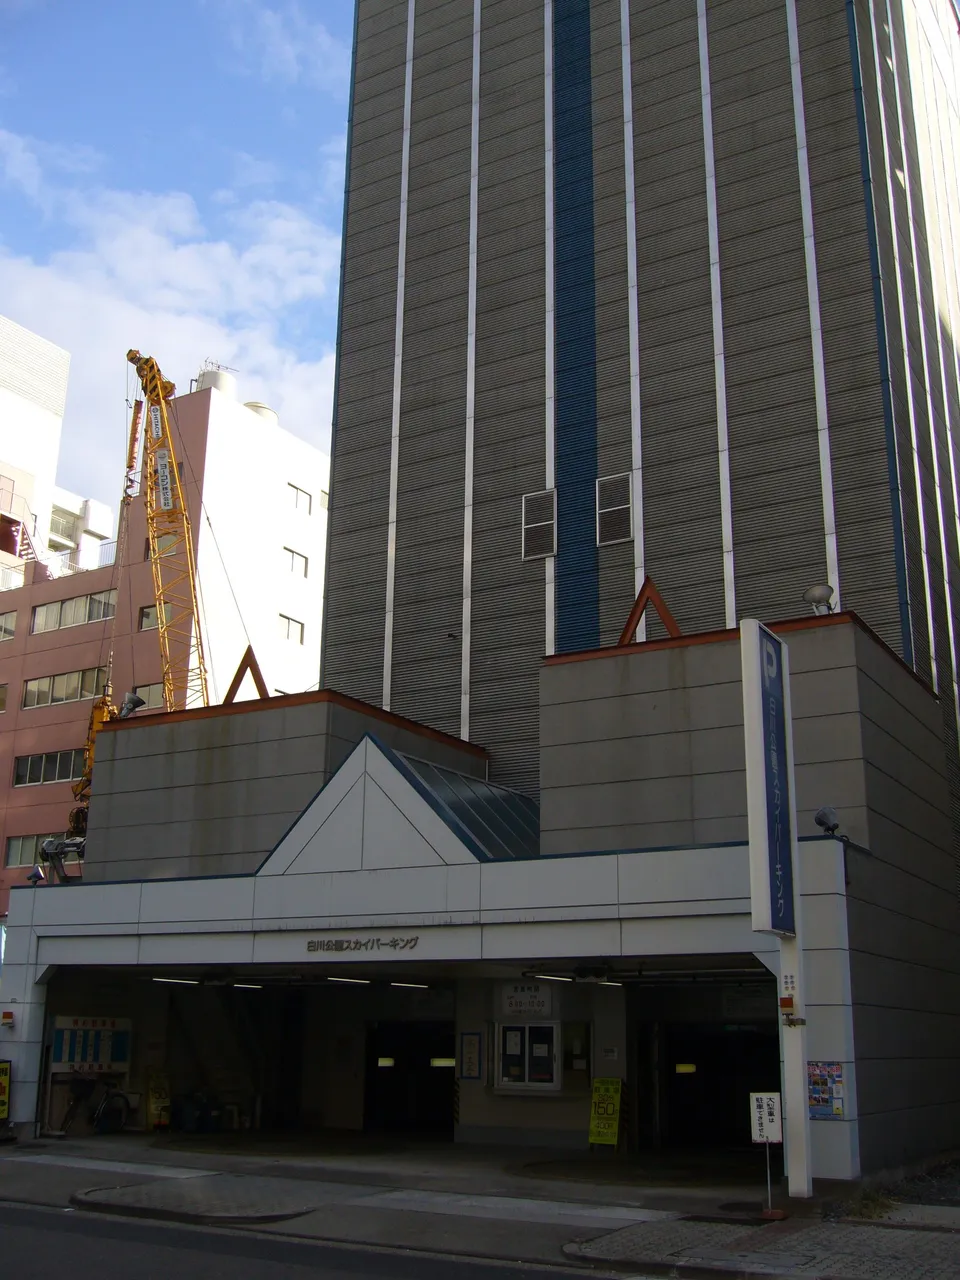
<point x="11" y="577"/>
<point x="63" y="527"/>
<point x="59" y="564"/>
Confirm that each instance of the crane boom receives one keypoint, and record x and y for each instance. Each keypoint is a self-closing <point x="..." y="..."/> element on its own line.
<point x="171" y="548"/>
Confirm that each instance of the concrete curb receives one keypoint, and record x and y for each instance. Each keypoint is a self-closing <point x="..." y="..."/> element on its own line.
<point x="81" y="1200"/>
<point x="577" y="1266"/>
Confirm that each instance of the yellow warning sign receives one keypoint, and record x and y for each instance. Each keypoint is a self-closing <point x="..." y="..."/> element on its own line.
<point x="4" y="1090"/>
<point x="605" y="1111"/>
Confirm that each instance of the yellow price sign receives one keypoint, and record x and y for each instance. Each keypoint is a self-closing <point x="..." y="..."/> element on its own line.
<point x="605" y="1111"/>
<point x="4" y="1090"/>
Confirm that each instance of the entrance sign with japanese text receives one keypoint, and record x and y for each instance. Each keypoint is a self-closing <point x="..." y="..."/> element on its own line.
<point x="765" y="1123"/>
<point x="526" y="999"/>
<point x="605" y="1111"/>
<point x="768" y="741"/>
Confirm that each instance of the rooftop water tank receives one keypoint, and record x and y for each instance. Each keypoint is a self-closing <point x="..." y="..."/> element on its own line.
<point x="264" y="410"/>
<point x="222" y="379"/>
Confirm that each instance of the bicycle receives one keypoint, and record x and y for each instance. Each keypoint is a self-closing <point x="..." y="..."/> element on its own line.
<point x="111" y="1113"/>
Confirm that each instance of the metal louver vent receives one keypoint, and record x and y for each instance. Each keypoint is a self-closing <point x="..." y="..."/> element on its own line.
<point x="539" y="524"/>
<point x="614" y="509"/>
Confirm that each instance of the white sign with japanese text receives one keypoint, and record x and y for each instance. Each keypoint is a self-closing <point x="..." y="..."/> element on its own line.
<point x="526" y="999"/>
<point x="765" y="1123"/>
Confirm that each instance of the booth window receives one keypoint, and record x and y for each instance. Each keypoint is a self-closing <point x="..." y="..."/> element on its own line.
<point x="528" y="1055"/>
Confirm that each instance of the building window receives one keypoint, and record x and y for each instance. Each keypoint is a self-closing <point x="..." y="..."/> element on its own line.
<point x="149" y="616"/>
<point x="8" y="624"/>
<point x="302" y="500"/>
<point x="291" y="629"/>
<point x="152" y="694"/>
<point x="166" y="545"/>
<point x="539" y="524"/>
<point x="614" y="509"/>
<point x="74" y="612"/>
<point x="24" y="851"/>
<point x="72" y="686"/>
<point x="324" y="499"/>
<point x="3" y="697"/>
<point x="52" y="766"/>
<point x="528" y="1055"/>
<point x="298" y="562"/>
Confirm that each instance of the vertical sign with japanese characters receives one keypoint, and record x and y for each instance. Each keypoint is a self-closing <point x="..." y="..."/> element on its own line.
<point x="4" y="1090"/>
<point x="765" y="1122"/>
<point x="767" y="739"/>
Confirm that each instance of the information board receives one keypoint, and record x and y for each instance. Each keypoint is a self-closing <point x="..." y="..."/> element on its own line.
<point x="91" y="1045"/>
<point x="605" y="1111"/>
<point x="4" y="1090"/>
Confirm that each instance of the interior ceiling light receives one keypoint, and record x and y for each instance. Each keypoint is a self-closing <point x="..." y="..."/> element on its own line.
<point x="421" y="986"/>
<point x="249" y="986"/>
<point x="185" y="982"/>
<point x="551" y="977"/>
<point x="365" y="981"/>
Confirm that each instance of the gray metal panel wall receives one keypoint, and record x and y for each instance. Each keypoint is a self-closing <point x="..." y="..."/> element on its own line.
<point x="863" y="503"/>
<point x="614" y="453"/>
<point x="775" y="475"/>
<point x="356" y="572"/>
<point x="681" y="487"/>
<point x="508" y="595"/>
<point x="642" y="750"/>
<point x="904" y="925"/>
<point x="429" y="564"/>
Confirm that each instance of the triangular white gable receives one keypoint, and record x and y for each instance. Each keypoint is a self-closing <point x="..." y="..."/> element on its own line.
<point x="368" y="817"/>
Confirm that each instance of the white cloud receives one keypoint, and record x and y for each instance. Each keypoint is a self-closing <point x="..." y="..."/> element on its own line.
<point x="144" y="271"/>
<point x="282" y="44"/>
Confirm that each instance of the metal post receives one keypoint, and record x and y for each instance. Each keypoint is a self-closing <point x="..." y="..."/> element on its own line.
<point x="769" y="1188"/>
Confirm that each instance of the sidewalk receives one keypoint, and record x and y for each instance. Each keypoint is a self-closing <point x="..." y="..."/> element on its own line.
<point x="522" y="1206"/>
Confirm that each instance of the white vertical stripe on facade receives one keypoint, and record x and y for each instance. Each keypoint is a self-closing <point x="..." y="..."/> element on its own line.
<point x="902" y="316"/>
<point x="550" y="471"/>
<point x="716" y="307"/>
<point x="629" y="173"/>
<point x="398" y="364"/>
<point x="471" y="382"/>
<point x="813" y="302"/>
<point x="938" y="226"/>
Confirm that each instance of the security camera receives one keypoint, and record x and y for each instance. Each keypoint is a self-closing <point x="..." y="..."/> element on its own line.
<point x="36" y="876"/>
<point x="820" y="598"/>
<point x="828" y="819"/>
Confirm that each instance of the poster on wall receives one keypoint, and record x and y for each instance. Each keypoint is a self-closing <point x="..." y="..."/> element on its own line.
<point x="825" y="1090"/>
<point x="471" y="1055"/>
<point x="4" y="1090"/>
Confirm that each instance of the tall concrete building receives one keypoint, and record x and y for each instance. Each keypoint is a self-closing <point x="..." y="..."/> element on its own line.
<point x="640" y="288"/>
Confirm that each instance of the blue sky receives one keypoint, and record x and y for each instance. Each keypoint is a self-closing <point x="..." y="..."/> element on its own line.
<point x="171" y="178"/>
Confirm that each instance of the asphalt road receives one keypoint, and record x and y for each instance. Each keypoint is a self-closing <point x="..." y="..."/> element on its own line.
<point x="44" y="1244"/>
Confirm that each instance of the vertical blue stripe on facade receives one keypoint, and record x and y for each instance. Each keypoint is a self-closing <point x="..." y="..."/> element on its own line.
<point x="893" y="467"/>
<point x="577" y="575"/>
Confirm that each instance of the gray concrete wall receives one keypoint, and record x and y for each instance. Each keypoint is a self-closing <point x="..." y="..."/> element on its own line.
<point x="213" y="794"/>
<point x="904" y="925"/>
<point x="646" y="749"/>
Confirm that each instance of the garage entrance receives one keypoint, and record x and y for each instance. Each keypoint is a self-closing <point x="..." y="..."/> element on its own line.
<point x="410" y="1079"/>
<point x="710" y="1072"/>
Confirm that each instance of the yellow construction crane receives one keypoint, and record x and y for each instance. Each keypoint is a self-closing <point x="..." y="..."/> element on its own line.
<point x="171" y="547"/>
<point x="174" y="583"/>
